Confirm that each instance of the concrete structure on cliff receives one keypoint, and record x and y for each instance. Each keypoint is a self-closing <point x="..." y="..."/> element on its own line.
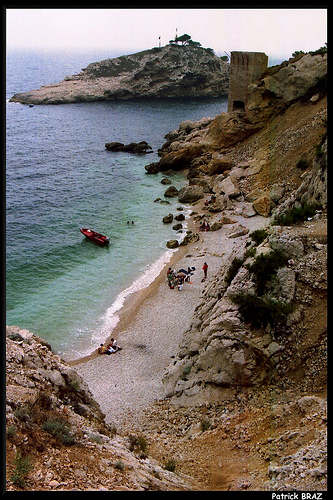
<point x="245" y="68"/>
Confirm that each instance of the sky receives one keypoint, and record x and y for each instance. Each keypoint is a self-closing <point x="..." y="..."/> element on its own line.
<point x="277" y="32"/>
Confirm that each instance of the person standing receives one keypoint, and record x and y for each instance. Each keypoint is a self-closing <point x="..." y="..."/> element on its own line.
<point x="205" y="268"/>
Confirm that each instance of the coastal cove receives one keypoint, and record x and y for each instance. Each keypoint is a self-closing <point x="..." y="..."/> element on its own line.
<point x="220" y="382"/>
<point x="59" y="177"/>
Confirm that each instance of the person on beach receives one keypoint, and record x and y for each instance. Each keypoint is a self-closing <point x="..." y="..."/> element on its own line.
<point x="205" y="268"/>
<point x="113" y="346"/>
<point x="110" y="348"/>
<point x="102" y="349"/>
<point x="170" y="278"/>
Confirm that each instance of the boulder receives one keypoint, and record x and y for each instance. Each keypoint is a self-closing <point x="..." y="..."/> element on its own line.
<point x="293" y="80"/>
<point x="165" y="180"/>
<point x="230" y="187"/>
<point x="219" y="165"/>
<point x="171" y="192"/>
<point x="136" y="148"/>
<point x="152" y="168"/>
<point x="177" y="227"/>
<point x="189" y="238"/>
<point x="253" y="195"/>
<point x="167" y="219"/>
<point x="190" y="194"/>
<point x="226" y="220"/>
<point x="172" y="243"/>
<point x="276" y="192"/>
<point x="239" y="231"/>
<point x="180" y="217"/>
<point x="262" y="205"/>
<point x="215" y="226"/>
<point x="180" y="159"/>
<point x="291" y="247"/>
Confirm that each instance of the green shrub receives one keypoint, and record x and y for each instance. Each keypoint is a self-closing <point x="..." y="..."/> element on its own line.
<point x="170" y="465"/>
<point x="22" y="469"/>
<point x="186" y="372"/>
<point x="138" y="443"/>
<point x="265" y="267"/>
<point x="259" y="235"/>
<point x="58" y="429"/>
<point x="260" y="311"/>
<point x="295" y="215"/>
<point x="302" y="164"/>
<point x="205" y="425"/>
<point x="11" y="431"/>
<point x="250" y="252"/>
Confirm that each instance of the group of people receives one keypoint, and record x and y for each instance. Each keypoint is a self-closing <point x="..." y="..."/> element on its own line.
<point x="109" y="348"/>
<point x="204" y="226"/>
<point x="177" y="280"/>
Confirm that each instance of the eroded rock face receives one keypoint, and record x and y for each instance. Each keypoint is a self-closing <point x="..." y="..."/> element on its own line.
<point x="168" y="72"/>
<point x="41" y="388"/>
<point x="222" y="350"/>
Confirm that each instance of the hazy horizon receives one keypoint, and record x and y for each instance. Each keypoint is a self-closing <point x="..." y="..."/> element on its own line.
<point x="277" y="32"/>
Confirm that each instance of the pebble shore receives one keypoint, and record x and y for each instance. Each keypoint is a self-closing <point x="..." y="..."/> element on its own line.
<point x="152" y="324"/>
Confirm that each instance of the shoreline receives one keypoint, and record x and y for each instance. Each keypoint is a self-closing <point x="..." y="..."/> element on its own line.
<point x="136" y="300"/>
<point x="152" y="323"/>
<point x="132" y="303"/>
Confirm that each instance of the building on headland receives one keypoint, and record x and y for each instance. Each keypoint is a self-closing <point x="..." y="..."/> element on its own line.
<point x="245" y="68"/>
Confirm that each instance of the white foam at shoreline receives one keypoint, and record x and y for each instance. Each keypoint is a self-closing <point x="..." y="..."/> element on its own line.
<point x="110" y="319"/>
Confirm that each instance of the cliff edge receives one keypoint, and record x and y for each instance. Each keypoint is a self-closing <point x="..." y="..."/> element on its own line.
<point x="171" y="71"/>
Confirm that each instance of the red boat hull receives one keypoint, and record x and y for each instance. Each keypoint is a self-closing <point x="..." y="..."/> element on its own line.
<point x="98" y="238"/>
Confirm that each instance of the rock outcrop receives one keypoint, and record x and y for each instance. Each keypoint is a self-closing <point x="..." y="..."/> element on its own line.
<point x="57" y="430"/>
<point x="138" y="148"/>
<point x="238" y="338"/>
<point x="171" y="71"/>
<point x="201" y="145"/>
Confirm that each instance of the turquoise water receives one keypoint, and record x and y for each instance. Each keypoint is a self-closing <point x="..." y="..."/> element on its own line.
<point x="59" y="177"/>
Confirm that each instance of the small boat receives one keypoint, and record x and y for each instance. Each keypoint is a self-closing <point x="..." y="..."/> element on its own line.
<point x="98" y="238"/>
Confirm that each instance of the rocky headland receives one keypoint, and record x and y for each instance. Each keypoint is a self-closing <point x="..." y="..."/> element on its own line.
<point x="225" y="383"/>
<point x="172" y="71"/>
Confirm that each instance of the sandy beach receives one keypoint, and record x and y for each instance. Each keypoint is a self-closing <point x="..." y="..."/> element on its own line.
<point x="152" y="323"/>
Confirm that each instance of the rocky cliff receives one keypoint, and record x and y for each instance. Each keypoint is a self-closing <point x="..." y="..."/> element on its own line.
<point x="56" y="435"/>
<point x="259" y="334"/>
<point x="171" y="71"/>
<point x="276" y="167"/>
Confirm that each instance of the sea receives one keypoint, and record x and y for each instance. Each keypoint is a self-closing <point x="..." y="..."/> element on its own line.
<point x="59" y="178"/>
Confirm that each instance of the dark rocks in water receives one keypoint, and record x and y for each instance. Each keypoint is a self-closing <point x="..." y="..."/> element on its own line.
<point x="167" y="219"/>
<point x="152" y="168"/>
<point x="171" y="192"/>
<point x="177" y="227"/>
<point x="180" y="159"/>
<point x="180" y="217"/>
<point x="134" y="147"/>
<point x="165" y="181"/>
<point x="172" y="243"/>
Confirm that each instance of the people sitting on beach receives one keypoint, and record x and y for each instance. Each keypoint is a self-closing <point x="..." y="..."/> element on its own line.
<point x="109" y="348"/>
<point x="204" y="226"/>
<point x="102" y="349"/>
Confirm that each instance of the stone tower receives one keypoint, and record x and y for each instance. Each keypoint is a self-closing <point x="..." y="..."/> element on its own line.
<point x="245" y="68"/>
